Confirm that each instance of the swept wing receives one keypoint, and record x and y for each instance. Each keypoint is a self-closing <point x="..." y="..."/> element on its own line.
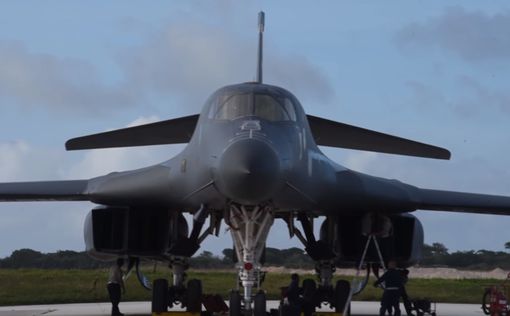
<point x="336" y="134"/>
<point x="70" y="190"/>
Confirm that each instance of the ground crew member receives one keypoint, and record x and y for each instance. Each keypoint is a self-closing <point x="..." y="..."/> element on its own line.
<point x="403" y="293"/>
<point x="394" y="282"/>
<point x="115" y="285"/>
<point x="293" y="296"/>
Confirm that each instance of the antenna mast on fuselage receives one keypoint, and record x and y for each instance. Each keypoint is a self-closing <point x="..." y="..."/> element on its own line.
<point x="259" y="57"/>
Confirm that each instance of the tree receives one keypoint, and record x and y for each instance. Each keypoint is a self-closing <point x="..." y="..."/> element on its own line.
<point x="438" y="249"/>
<point x="507" y="245"/>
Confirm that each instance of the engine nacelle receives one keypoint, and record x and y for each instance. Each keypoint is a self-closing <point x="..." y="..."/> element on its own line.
<point x="347" y="237"/>
<point x="111" y="232"/>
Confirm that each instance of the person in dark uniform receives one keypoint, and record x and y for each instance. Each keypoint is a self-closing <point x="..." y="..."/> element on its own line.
<point x="394" y="282"/>
<point x="403" y="293"/>
<point x="115" y="285"/>
<point x="293" y="295"/>
<point x="293" y="290"/>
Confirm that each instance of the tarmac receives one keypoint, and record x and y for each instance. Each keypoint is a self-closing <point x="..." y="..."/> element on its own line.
<point x="144" y="308"/>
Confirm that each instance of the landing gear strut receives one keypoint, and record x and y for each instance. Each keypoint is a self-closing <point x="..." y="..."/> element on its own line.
<point x="182" y="247"/>
<point x="249" y="226"/>
<point x="188" y="295"/>
<point x="323" y="253"/>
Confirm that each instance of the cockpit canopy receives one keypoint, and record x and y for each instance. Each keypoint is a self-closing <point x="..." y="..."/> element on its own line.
<point x="263" y="101"/>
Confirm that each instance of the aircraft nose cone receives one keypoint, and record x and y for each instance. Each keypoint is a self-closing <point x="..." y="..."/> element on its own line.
<point x="249" y="171"/>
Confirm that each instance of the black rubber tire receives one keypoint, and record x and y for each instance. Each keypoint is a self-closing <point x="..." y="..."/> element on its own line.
<point x="194" y="296"/>
<point x="309" y="292"/>
<point x="160" y="296"/>
<point x="486" y="299"/>
<point x="234" y="303"/>
<point x="340" y="295"/>
<point x="260" y="304"/>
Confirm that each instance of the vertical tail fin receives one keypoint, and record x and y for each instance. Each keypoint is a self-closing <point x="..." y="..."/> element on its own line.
<point x="259" y="59"/>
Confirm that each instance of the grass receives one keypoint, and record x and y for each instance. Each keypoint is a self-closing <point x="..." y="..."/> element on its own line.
<point x="34" y="286"/>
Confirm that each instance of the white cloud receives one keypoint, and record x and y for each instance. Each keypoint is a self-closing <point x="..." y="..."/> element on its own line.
<point x="11" y="159"/>
<point x="21" y="161"/>
<point x="36" y="79"/>
<point x="186" y="61"/>
<point x="361" y="161"/>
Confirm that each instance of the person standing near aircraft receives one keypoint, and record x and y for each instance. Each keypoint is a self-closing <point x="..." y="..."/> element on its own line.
<point x="393" y="282"/>
<point x="115" y="285"/>
<point x="403" y="293"/>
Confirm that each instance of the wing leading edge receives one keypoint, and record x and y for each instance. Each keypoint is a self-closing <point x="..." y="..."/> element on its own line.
<point x="174" y="131"/>
<point x="451" y="201"/>
<point x="336" y="134"/>
<point x="369" y="193"/>
<point x="70" y="190"/>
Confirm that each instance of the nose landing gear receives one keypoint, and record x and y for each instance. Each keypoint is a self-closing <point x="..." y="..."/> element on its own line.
<point x="249" y="226"/>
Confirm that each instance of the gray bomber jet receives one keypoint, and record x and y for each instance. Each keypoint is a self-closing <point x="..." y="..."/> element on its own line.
<point x="252" y="156"/>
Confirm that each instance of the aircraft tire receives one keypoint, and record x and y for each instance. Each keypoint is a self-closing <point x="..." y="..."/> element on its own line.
<point x="194" y="296"/>
<point x="234" y="303"/>
<point x="342" y="289"/>
<point x="160" y="296"/>
<point x="260" y="304"/>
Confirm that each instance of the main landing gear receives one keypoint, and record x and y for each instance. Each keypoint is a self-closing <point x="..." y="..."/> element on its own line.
<point x="188" y="294"/>
<point x="325" y="250"/>
<point x="323" y="253"/>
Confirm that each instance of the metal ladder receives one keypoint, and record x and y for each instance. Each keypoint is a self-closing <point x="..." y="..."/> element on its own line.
<point x="351" y="291"/>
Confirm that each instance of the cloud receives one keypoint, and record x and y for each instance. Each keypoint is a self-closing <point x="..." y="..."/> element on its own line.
<point x="474" y="36"/>
<point x="187" y="61"/>
<point x="52" y="226"/>
<point x="360" y="160"/>
<point x="61" y="84"/>
<point x="11" y="159"/>
<point x="182" y="62"/>
<point x="21" y="161"/>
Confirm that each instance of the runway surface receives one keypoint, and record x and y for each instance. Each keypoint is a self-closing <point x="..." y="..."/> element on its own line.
<point x="143" y="308"/>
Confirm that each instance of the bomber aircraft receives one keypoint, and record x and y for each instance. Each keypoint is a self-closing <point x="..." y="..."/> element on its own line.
<point x="253" y="156"/>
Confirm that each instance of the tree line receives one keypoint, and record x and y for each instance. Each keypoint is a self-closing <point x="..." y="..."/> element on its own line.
<point x="435" y="255"/>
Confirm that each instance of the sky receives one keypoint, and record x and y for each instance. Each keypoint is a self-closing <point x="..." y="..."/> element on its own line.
<point x="434" y="71"/>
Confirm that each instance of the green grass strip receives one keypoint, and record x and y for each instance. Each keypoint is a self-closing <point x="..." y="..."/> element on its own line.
<point x="35" y="286"/>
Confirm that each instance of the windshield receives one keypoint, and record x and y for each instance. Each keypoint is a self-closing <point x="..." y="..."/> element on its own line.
<point x="266" y="106"/>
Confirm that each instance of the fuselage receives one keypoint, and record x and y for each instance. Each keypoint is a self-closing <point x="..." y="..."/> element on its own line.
<point x="252" y="145"/>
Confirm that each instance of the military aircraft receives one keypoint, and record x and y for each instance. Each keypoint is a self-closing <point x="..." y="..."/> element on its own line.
<point x="252" y="156"/>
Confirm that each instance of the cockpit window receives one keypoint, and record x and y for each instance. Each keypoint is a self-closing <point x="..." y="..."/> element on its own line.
<point x="266" y="106"/>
